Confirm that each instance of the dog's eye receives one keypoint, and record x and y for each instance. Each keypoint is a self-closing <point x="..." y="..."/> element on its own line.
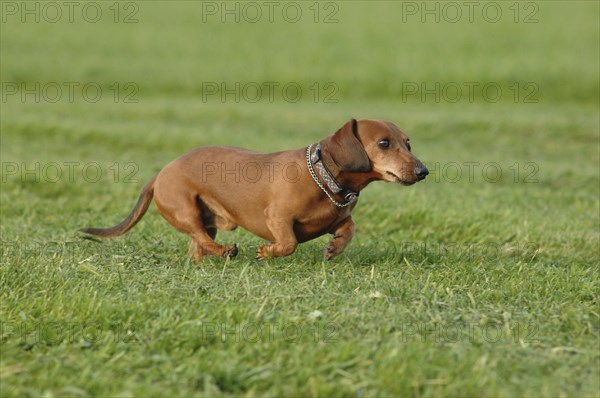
<point x="385" y="144"/>
<point x="408" y="146"/>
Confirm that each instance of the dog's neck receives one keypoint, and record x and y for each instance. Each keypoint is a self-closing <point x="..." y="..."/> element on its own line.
<point x="350" y="180"/>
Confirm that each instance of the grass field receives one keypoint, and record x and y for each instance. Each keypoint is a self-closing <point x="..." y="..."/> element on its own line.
<point x="480" y="281"/>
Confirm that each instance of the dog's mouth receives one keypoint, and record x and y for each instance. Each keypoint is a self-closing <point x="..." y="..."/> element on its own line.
<point x="400" y="180"/>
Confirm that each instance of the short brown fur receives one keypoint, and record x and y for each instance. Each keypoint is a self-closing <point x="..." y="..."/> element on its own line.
<point x="273" y="195"/>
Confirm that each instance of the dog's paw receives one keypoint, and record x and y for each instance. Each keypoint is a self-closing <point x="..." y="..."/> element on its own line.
<point x="231" y="251"/>
<point x="274" y="250"/>
<point x="261" y="254"/>
<point x="264" y="252"/>
<point x="335" y="247"/>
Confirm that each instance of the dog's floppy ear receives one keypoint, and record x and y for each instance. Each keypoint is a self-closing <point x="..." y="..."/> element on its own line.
<point x="346" y="149"/>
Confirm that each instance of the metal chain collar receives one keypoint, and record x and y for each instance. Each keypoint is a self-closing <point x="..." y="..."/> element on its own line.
<point x="316" y="179"/>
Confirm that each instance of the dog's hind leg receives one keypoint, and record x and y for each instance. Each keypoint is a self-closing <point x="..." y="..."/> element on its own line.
<point x="185" y="214"/>
<point x="212" y="232"/>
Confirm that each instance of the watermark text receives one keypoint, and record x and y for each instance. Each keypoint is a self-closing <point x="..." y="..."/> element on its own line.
<point x="70" y="172"/>
<point x="470" y="11"/>
<point x="69" y="11"/>
<point x="252" y="92"/>
<point x="52" y="92"/>
<point x="470" y="92"/>
<point x="270" y="11"/>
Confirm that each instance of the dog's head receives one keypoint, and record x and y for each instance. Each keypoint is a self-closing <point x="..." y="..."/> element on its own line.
<point x="378" y="147"/>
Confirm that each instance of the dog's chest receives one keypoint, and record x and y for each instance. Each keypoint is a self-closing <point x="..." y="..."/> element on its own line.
<point x="318" y="221"/>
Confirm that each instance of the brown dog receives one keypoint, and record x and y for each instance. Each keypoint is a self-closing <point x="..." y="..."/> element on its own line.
<point x="285" y="197"/>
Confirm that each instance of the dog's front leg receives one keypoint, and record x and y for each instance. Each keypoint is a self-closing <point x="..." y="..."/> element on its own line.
<point x="342" y="235"/>
<point x="285" y="239"/>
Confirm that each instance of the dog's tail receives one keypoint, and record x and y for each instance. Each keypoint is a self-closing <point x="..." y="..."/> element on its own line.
<point x="136" y="214"/>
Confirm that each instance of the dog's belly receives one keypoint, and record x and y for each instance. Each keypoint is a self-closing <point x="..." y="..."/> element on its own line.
<point x="305" y="229"/>
<point x="217" y="214"/>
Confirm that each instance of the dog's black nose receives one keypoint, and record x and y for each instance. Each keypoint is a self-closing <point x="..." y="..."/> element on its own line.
<point x="421" y="172"/>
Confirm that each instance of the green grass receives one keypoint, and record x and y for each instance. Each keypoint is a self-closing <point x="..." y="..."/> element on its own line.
<point x="466" y="288"/>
